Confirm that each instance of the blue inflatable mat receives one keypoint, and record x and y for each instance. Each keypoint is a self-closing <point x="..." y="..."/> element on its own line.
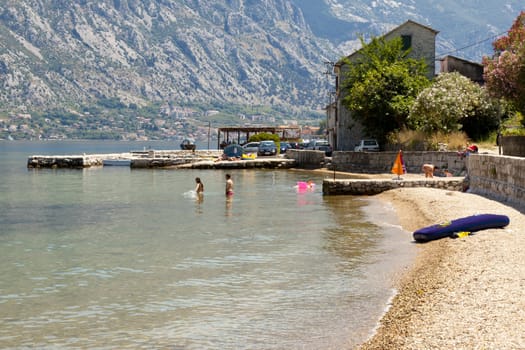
<point x="470" y="223"/>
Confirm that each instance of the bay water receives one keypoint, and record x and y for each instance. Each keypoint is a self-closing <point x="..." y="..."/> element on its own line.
<point x="118" y="258"/>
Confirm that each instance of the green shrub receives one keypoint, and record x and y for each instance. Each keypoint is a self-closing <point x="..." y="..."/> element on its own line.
<point x="412" y="140"/>
<point x="266" y="136"/>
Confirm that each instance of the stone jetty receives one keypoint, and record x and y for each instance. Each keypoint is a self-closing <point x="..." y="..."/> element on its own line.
<point x="361" y="187"/>
<point x="260" y="163"/>
<point x="178" y="159"/>
<point x="65" y="161"/>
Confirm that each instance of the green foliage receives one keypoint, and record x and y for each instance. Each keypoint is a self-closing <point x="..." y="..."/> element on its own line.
<point x="453" y="103"/>
<point x="514" y="126"/>
<point x="417" y="140"/>
<point x="322" y="127"/>
<point x="262" y="136"/>
<point x="514" y="132"/>
<point x="381" y="85"/>
<point x="111" y="103"/>
<point x="266" y="136"/>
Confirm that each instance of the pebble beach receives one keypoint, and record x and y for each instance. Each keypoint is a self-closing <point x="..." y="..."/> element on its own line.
<point x="463" y="293"/>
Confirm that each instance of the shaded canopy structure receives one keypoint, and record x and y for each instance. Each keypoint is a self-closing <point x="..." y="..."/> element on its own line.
<point x="237" y="134"/>
<point x="233" y="150"/>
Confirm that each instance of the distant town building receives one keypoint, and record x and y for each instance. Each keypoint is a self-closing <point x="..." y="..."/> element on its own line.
<point x="23" y="116"/>
<point x="211" y="113"/>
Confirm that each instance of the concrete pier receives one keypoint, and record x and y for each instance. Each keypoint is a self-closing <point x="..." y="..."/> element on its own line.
<point x="360" y="187"/>
<point x="178" y="159"/>
<point x="138" y="159"/>
<point x="65" y="161"/>
<point x="260" y="163"/>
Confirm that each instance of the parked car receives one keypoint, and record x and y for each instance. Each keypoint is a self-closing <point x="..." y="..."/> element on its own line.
<point x="283" y="146"/>
<point x="320" y="145"/>
<point x="369" y="145"/>
<point x="304" y="144"/>
<point x="187" y="144"/>
<point x="267" y="148"/>
<point x="251" y="147"/>
<point x="294" y="145"/>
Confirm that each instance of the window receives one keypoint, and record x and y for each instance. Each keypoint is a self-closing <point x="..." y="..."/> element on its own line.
<point x="407" y="41"/>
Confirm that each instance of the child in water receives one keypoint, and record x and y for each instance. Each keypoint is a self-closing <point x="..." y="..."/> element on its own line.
<point x="200" y="186"/>
<point x="229" y="185"/>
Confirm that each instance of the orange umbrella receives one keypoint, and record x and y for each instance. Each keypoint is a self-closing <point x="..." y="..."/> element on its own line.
<point x="399" y="166"/>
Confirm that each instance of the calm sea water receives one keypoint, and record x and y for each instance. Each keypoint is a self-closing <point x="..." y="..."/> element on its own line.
<point x="114" y="258"/>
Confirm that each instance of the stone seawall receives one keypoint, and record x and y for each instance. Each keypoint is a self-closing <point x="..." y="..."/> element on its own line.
<point x="513" y="146"/>
<point x="498" y="177"/>
<point x="139" y="159"/>
<point x="307" y="159"/>
<point x="67" y="161"/>
<point x="377" y="163"/>
<point x="494" y="176"/>
<point x="375" y="186"/>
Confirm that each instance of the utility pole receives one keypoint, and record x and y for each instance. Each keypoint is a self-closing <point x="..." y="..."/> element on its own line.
<point x="209" y="128"/>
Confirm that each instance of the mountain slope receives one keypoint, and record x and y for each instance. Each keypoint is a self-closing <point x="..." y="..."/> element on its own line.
<point x="70" y="53"/>
<point x="467" y="27"/>
<point x="245" y="52"/>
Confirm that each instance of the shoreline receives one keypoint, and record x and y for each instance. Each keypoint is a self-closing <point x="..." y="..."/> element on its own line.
<point x="458" y="293"/>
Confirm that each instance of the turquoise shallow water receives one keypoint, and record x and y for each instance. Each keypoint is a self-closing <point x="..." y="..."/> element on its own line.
<point x="114" y="258"/>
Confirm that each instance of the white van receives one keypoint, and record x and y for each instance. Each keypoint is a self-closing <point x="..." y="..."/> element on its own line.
<point x="369" y="145"/>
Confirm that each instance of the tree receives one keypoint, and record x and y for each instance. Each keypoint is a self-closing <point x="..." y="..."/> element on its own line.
<point x="322" y="127"/>
<point x="262" y="136"/>
<point x="381" y="85"/>
<point x="453" y="103"/>
<point x="505" y="71"/>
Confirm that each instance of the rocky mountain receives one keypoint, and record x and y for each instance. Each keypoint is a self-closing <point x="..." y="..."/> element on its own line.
<point x="74" y="53"/>
<point x="466" y="27"/>
<point x="79" y="51"/>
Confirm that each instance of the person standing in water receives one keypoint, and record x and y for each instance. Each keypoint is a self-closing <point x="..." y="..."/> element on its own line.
<point x="200" y="186"/>
<point x="229" y="185"/>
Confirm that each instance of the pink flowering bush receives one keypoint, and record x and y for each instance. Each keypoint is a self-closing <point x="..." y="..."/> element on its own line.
<point x="504" y="73"/>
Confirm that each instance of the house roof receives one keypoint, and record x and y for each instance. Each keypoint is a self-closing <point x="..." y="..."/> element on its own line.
<point x="460" y="59"/>
<point x="412" y="22"/>
<point x="340" y="63"/>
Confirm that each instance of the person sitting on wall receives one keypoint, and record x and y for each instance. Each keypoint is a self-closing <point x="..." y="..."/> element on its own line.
<point x="470" y="149"/>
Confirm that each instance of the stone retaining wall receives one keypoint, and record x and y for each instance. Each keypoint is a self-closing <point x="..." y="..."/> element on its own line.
<point x="72" y="162"/>
<point x="490" y="175"/>
<point x="513" y="146"/>
<point x="498" y="177"/>
<point x="307" y="159"/>
<point x="140" y="159"/>
<point x="371" y="187"/>
<point x="377" y="163"/>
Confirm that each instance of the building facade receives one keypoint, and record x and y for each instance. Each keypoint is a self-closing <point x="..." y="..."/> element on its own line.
<point x="471" y="70"/>
<point x="343" y="131"/>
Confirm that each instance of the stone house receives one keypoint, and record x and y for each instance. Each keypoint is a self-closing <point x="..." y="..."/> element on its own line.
<point x="471" y="70"/>
<point x="343" y="132"/>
